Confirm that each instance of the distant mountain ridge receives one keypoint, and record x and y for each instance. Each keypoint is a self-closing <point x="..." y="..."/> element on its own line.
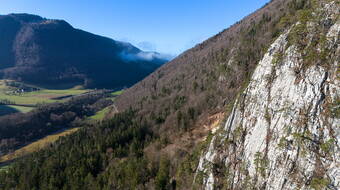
<point x="52" y="53"/>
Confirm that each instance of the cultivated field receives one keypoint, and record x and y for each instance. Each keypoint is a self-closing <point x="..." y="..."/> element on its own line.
<point x="35" y="97"/>
<point x="16" y="99"/>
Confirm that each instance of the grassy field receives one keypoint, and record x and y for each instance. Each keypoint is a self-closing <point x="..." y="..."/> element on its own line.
<point x="8" y="109"/>
<point x="41" y="96"/>
<point x="35" y="146"/>
<point x="22" y="109"/>
<point x="100" y="114"/>
<point x="117" y="93"/>
<point x="32" y="98"/>
<point x="4" y="110"/>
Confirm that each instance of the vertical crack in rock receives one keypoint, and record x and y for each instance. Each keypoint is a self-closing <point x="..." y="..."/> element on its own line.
<point x="322" y="95"/>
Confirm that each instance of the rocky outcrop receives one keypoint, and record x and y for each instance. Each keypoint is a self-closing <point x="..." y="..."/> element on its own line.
<point x="283" y="132"/>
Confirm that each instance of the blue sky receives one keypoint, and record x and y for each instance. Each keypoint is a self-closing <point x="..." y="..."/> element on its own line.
<point x="166" y="26"/>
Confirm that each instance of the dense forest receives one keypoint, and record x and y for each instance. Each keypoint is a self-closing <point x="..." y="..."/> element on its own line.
<point x="97" y="157"/>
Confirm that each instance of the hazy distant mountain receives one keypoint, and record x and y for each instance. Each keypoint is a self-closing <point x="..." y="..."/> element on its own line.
<point x="52" y="53"/>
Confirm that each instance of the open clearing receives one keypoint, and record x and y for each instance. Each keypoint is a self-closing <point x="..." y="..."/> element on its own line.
<point x="9" y="109"/>
<point x="22" y="109"/>
<point x="19" y="99"/>
<point x="101" y="114"/>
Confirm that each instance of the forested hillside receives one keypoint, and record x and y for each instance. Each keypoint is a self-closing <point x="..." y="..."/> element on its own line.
<point x="207" y="120"/>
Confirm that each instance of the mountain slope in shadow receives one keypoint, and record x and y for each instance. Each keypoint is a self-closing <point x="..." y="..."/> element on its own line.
<point x="53" y="53"/>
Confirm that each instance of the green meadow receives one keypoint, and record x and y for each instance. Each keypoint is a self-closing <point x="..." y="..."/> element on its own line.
<point x="26" y="101"/>
<point x="100" y="115"/>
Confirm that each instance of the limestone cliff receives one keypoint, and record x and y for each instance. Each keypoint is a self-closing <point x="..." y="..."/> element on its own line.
<point x="284" y="129"/>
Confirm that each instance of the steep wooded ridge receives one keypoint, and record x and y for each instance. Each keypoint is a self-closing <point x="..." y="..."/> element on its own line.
<point x="52" y="53"/>
<point x="274" y="77"/>
<point x="204" y="80"/>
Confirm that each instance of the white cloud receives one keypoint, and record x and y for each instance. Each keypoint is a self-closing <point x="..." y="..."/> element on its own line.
<point x="145" y="56"/>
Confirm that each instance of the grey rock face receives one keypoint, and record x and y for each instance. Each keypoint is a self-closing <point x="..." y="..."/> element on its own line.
<point x="284" y="130"/>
